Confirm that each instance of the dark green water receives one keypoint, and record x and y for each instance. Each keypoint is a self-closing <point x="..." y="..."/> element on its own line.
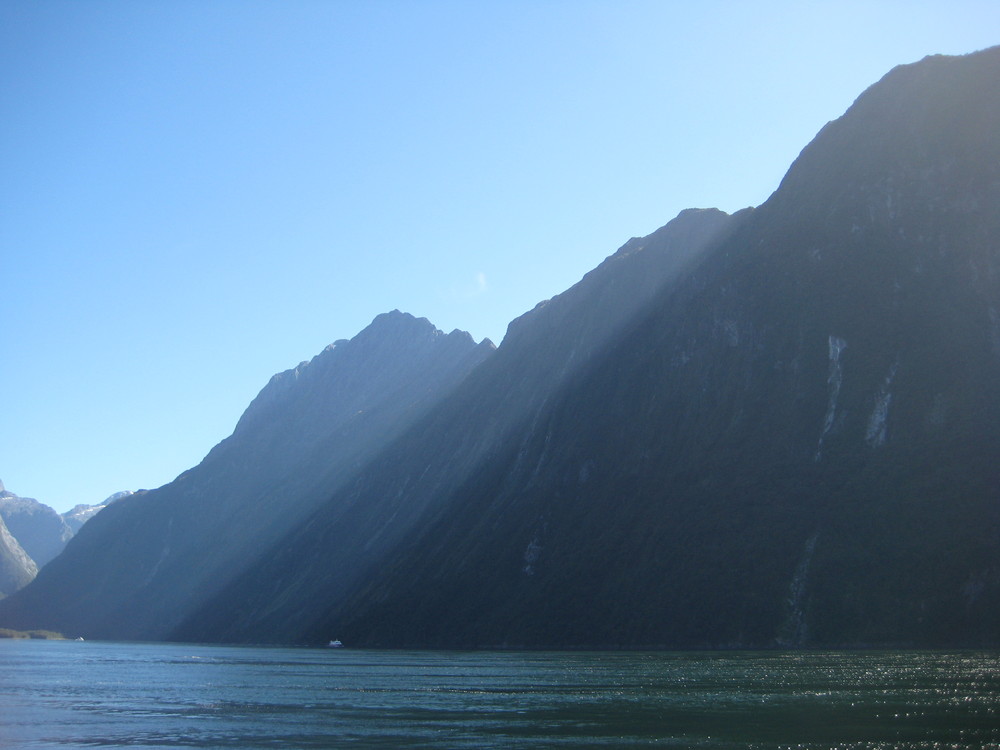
<point x="68" y="694"/>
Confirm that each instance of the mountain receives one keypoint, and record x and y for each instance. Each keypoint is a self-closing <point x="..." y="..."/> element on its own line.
<point x="347" y="538"/>
<point x="777" y="428"/>
<point x="793" y="442"/>
<point x="17" y="569"/>
<point x="81" y="513"/>
<point x="39" y="530"/>
<point x="319" y="423"/>
<point x="145" y="560"/>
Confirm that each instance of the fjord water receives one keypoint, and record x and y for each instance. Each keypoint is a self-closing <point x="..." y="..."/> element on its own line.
<point x="72" y="694"/>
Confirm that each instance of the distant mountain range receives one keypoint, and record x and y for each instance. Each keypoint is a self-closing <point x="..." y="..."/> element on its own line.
<point x="776" y="428"/>
<point x="32" y="534"/>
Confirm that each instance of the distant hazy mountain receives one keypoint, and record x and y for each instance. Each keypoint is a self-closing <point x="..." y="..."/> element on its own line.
<point x="143" y="562"/>
<point x="80" y="514"/>
<point x="17" y="569"/>
<point x="776" y="428"/>
<point x="40" y="531"/>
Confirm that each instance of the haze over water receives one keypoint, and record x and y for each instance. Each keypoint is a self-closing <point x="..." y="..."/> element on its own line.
<point x="69" y="694"/>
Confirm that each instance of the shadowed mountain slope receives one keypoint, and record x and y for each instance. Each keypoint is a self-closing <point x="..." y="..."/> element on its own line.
<point x="794" y="445"/>
<point x="776" y="428"/>
<point x="144" y="561"/>
<point x="17" y="569"/>
<point x="486" y="416"/>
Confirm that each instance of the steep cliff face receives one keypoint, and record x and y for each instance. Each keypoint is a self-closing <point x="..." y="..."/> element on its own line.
<point x="142" y="563"/>
<point x="795" y="446"/>
<point x="17" y="569"/>
<point x="345" y="541"/>
<point x="40" y="531"/>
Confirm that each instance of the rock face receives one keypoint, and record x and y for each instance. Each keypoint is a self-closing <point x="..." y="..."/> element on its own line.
<point x="793" y="443"/>
<point x="292" y="587"/>
<point x="144" y="561"/>
<point x="17" y="569"/>
<point x="40" y="531"/>
<point x="775" y="428"/>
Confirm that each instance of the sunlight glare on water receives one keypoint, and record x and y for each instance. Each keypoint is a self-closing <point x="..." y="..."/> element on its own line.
<point x="70" y="694"/>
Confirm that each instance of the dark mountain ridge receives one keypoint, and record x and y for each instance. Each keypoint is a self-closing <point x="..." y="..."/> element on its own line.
<point x="345" y="541"/>
<point x="775" y="428"/>
<point x="794" y="444"/>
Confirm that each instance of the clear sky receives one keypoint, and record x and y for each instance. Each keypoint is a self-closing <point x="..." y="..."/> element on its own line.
<point x="196" y="195"/>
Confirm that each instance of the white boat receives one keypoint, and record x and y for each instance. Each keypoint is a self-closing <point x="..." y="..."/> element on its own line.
<point x="335" y="644"/>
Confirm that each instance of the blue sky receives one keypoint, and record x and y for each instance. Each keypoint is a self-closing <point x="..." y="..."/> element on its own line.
<point x="196" y="195"/>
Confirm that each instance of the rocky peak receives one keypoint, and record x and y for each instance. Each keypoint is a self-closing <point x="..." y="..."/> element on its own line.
<point x="389" y="339"/>
<point x="689" y="227"/>
<point x="924" y="126"/>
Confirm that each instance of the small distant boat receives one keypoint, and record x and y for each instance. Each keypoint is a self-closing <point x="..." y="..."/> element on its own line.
<point x="80" y="638"/>
<point x="335" y="644"/>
